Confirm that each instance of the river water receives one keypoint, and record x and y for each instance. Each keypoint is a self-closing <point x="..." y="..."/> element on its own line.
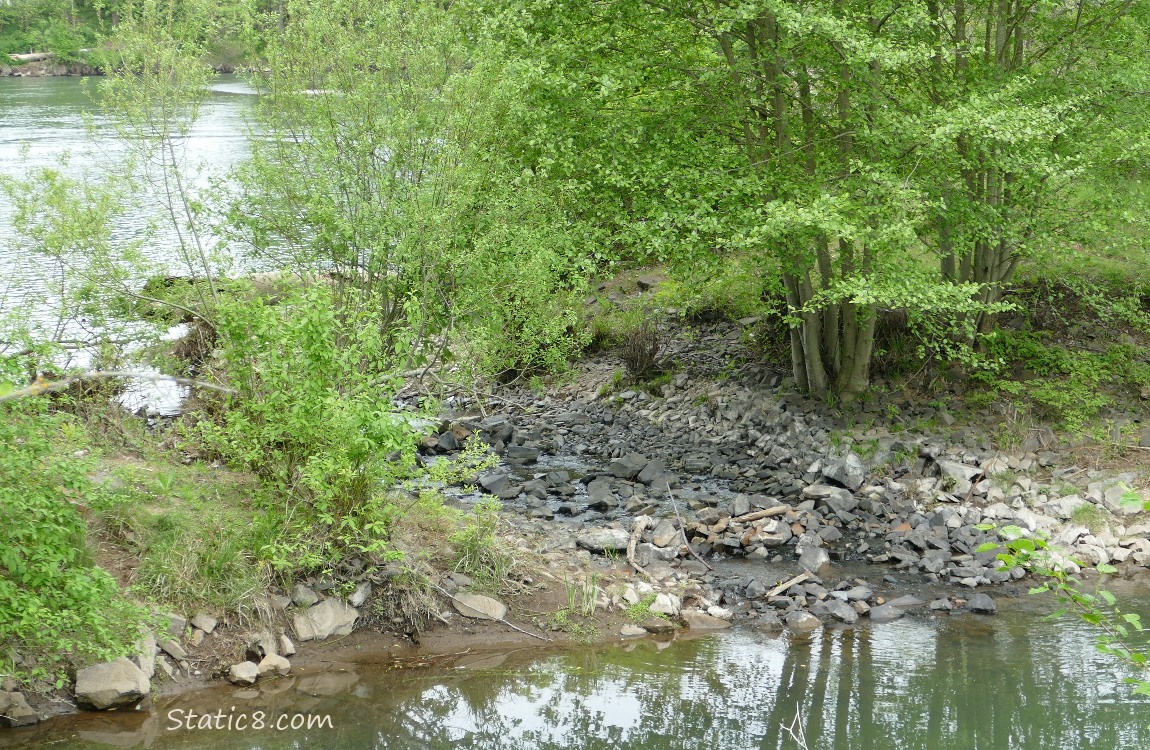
<point x="961" y="682"/>
<point x="46" y="120"/>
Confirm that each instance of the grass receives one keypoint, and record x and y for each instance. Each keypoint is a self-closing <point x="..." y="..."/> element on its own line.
<point x="192" y="535"/>
<point x="640" y="611"/>
<point x="1091" y="516"/>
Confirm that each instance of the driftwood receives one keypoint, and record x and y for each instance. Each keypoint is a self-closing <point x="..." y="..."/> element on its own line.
<point x="758" y="514"/>
<point x="32" y="57"/>
<point x="787" y="584"/>
<point x="637" y="529"/>
<point x="44" y="386"/>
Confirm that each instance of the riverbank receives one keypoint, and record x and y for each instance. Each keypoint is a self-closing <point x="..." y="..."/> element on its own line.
<point x="714" y="495"/>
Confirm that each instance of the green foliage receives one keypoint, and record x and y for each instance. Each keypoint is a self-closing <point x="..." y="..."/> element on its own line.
<point x="1066" y="385"/>
<point x="641" y="610"/>
<point x="477" y="552"/>
<point x="312" y="419"/>
<point x="475" y="458"/>
<point x="1120" y="633"/>
<point x="1091" y="516"/>
<point x="56" y="607"/>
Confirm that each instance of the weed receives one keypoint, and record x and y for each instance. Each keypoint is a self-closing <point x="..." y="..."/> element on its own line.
<point x="640" y="350"/>
<point x="477" y="553"/>
<point x="1091" y="516"/>
<point x="583" y="595"/>
<point x="641" y="610"/>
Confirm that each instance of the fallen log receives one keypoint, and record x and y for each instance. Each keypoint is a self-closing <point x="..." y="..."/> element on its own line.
<point x="758" y="514"/>
<point x="32" y="57"/>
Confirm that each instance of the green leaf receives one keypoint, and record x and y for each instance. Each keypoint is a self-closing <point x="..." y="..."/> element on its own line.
<point x="1106" y="569"/>
<point x="987" y="547"/>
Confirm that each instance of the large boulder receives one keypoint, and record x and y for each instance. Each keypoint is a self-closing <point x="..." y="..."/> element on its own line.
<point x="329" y="617"/>
<point x="600" y="540"/>
<point x="628" y="467"/>
<point x="849" y="471"/>
<point x="697" y="620"/>
<point x="112" y="684"/>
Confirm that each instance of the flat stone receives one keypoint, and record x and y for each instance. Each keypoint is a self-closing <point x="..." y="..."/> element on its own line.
<point x="600" y="540"/>
<point x="631" y="631"/>
<point x="654" y="471"/>
<point x="329" y="617"/>
<point x="287" y="648"/>
<point x="494" y="483"/>
<point x="696" y="620"/>
<point x="205" y="622"/>
<point x="957" y="471"/>
<point x="522" y="454"/>
<point x="658" y="626"/>
<point x="273" y="663"/>
<point x="111" y="685"/>
<point x="479" y="607"/>
<point x="244" y="673"/>
<point x="174" y="649"/>
<point x="886" y="613"/>
<point x="837" y="498"/>
<point x="176" y="624"/>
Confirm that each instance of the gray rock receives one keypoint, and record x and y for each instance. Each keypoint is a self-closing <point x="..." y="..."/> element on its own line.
<point x="956" y="471"/>
<point x="858" y="593"/>
<point x="273" y="663"/>
<point x="982" y="603"/>
<point x="835" y="498"/>
<point x="658" y="626"/>
<point x="600" y="540"/>
<point x="479" y="607"/>
<point x="205" y="622"/>
<point x="145" y="656"/>
<point x="836" y="608"/>
<point x="521" y="454"/>
<point x="244" y="673"/>
<point x="942" y="604"/>
<point x="628" y="467"/>
<point x="849" y="471"/>
<point x="302" y="596"/>
<point x="769" y="620"/>
<point x="800" y="620"/>
<point x="653" y="472"/>
<point x="329" y="617"/>
<point x="177" y="624"/>
<point x="15" y="711"/>
<point x="665" y="533"/>
<point x="696" y="620"/>
<point x="287" y="648"/>
<point x="111" y="685"/>
<point x="494" y="483"/>
<point x="886" y="613"/>
<point x="815" y="560"/>
<point x="360" y="595"/>
<point x="174" y="649"/>
<point x="631" y="631"/>
<point x="666" y="604"/>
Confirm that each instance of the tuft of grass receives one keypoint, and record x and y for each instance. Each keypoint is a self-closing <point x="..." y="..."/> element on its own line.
<point x="477" y="553"/>
<point x="1091" y="516"/>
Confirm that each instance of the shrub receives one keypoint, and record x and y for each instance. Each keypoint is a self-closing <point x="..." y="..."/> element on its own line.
<point x="56" y="607"/>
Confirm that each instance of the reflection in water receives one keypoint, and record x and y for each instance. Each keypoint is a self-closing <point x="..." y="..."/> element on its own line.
<point x="965" y="683"/>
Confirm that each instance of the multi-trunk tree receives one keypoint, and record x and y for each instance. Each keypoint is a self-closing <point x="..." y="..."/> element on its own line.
<point x="877" y="154"/>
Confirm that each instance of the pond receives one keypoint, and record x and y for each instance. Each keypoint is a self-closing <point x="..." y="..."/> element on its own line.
<point x="961" y="682"/>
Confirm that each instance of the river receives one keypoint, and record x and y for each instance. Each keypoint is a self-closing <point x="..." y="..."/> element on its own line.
<point x="50" y="122"/>
<point x="961" y="682"/>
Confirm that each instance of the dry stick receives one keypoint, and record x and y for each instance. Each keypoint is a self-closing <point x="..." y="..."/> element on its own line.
<point x="503" y="620"/>
<point x="640" y="524"/>
<point x="683" y="530"/>
<point x="44" y="386"/>
<point x="787" y="584"/>
<point x="759" y="514"/>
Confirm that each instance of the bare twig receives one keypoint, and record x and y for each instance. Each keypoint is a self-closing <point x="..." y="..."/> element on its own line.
<point x="42" y="386"/>
<point x="758" y="514"/>
<point x="796" y="730"/>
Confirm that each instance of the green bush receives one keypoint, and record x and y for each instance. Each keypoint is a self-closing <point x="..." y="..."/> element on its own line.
<point x="314" y="419"/>
<point x="57" y="609"/>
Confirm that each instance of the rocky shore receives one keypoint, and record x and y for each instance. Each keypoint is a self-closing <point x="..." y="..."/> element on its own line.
<point x="718" y="497"/>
